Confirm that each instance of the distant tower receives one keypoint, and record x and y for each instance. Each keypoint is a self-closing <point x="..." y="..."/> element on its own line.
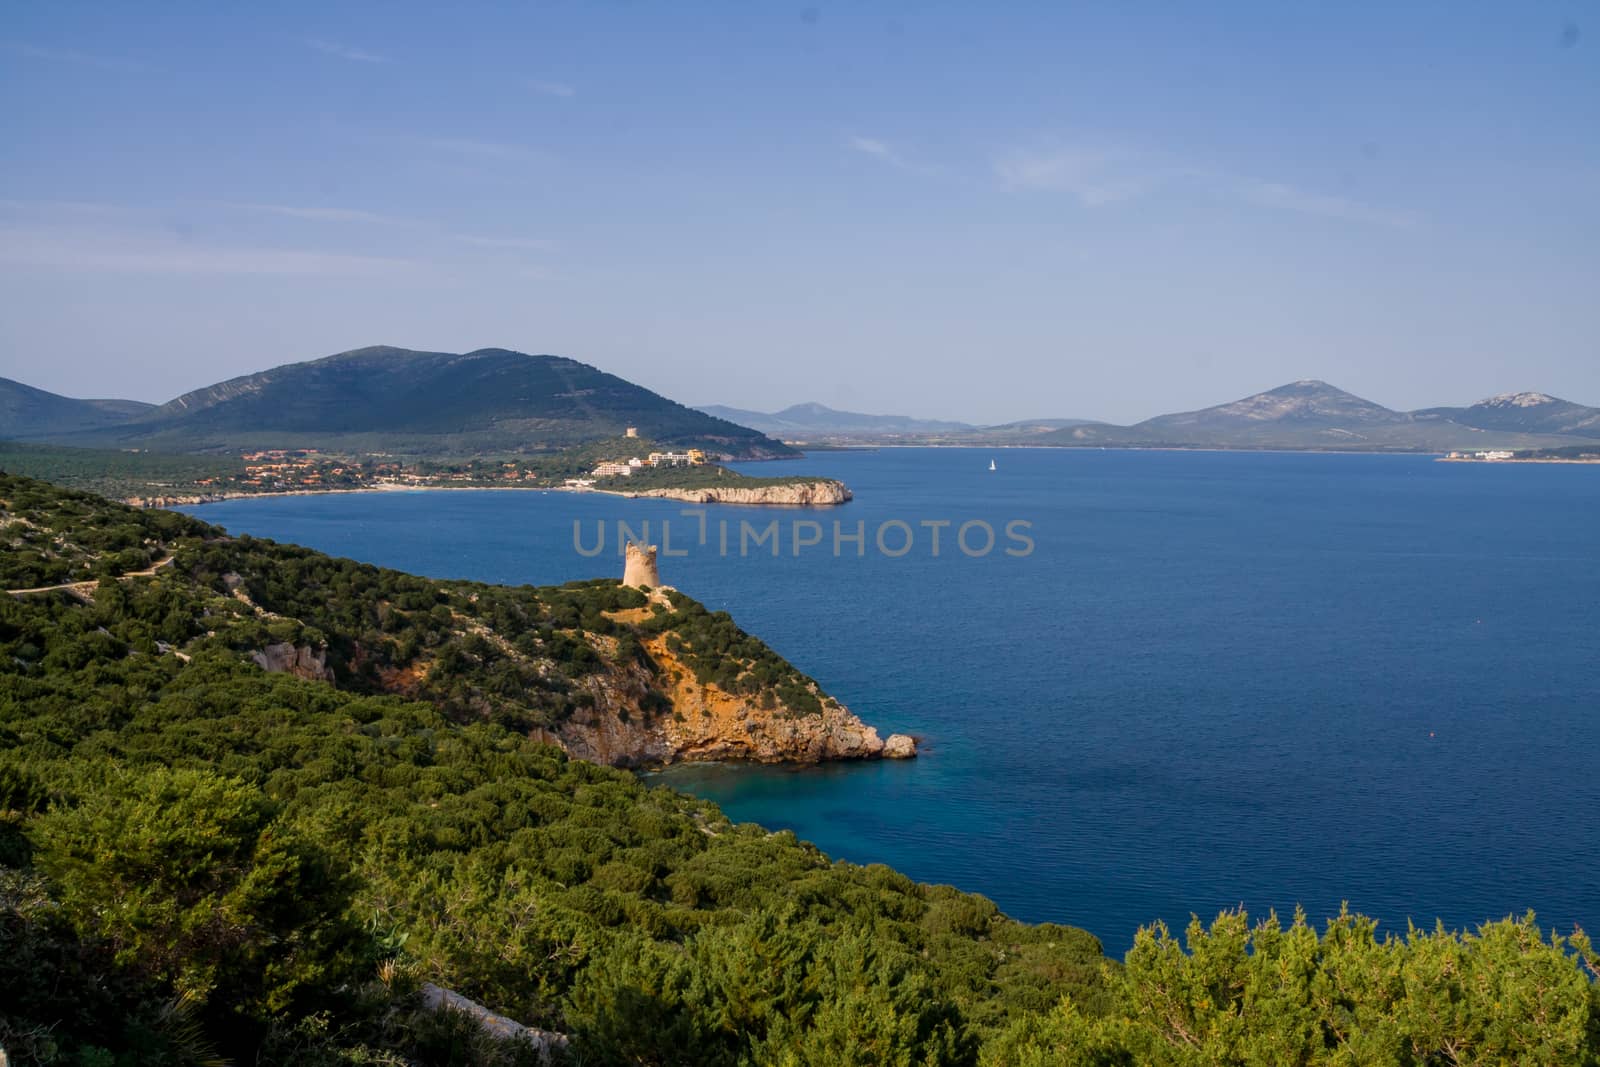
<point x="631" y="431"/>
<point x="639" y="570"/>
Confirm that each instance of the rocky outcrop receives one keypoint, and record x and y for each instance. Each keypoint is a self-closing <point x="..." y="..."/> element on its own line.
<point x="302" y="661"/>
<point x="543" y="1042"/>
<point x="704" y="722"/>
<point x="175" y="501"/>
<point x="820" y="493"/>
<point x="900" y="746"/>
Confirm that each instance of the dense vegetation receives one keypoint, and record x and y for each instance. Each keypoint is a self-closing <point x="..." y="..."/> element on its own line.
<point x="385" y="399"/>
<point x="200" y="858"/>
<point x="171" y="476"/>
<point x="114" y="473"/>
<point x="1571" y="452"/>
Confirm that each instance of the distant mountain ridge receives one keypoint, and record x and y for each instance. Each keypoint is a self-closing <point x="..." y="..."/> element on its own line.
<point x="1313" y="414"/>
<point x="1309" y="402"/>
<point x="386" y="398"/>
<point x="818" y="418"/>
<point x="1525" y="413"/>
<point x="25" y="410"/>
<point x="383" y="398"/>
<point x="1307" y="414"/>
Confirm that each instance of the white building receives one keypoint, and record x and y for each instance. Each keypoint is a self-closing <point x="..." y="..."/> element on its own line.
<point x="692" y="458"/>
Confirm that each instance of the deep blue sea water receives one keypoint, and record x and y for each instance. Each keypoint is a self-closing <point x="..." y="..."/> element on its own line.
<point x="1219" y="679"/>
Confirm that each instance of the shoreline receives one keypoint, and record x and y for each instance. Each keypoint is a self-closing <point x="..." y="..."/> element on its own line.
<point x="1528" y="459"/>
<point x="201" y="499"/>
<point x="1437" y="455"/>
<point x="1143" y="448"/>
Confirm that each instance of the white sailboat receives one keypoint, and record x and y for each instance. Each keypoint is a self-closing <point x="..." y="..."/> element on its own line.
<point x="991" y="464"/>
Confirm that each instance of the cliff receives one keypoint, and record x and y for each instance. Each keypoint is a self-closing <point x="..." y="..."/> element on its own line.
<point x="684" y="684"/>
<point x="623" y="727"/>
<point x="820" y="493"/>
<point x="302" y="661"/>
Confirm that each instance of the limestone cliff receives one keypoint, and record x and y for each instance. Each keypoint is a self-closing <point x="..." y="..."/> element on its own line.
<point x="820" y="493"/>
<point x="301" y="661"/>
<point x="625" y="727"/>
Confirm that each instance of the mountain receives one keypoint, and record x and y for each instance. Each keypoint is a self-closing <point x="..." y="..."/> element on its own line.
<point x="818" y="419"/>
<point x="1031" y="426"/>
<point x="385" y="398"/>
<point x="1311" y="404"/>
<point x="1306" y="413"/>
<point x="25" y="410"/>
<point x="1312" y="414"/>
<point x="1524" y="413"/>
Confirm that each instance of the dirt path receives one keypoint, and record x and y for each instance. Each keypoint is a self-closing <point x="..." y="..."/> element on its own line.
<point x="87" y="588"/>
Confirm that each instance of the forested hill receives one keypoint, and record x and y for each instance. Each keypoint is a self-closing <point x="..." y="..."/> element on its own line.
<point x="607" y="672"/>
<point x="384" y="398"/>
<point x="25" y="410"/>
<point x="201" y="858"/>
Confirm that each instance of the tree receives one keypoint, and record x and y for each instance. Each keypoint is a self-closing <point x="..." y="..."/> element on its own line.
<point x="191" y="879"/>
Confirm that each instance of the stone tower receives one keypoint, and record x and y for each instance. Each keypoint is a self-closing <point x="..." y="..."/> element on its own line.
<point x="639" y="570"/>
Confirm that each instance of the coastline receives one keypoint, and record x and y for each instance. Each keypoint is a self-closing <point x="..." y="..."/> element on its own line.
<point x="197" y="499"/>
<point x="1530" y="459"/>
<point x="696" y="496"/>
<point x="1147" y="448"/>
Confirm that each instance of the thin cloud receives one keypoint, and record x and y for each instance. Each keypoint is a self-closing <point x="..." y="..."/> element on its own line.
<point x="1307" y="202"/>
<point x="461" y="146"/>
<point x="344" y="51"/>
<point x="155" y="254"/>
<point x="544" y="88"/>
<point x="530" y="243"/>
<point x="886" y="153"/>
<point x="328" y="214"/>
<point x="71" y="218"/>
<point x="73" y="57"/>
<point x="874" y="147"/>
<point x="372" y="218"/>
<point x="1099" y="177"/>
<point x="56" y="208"/>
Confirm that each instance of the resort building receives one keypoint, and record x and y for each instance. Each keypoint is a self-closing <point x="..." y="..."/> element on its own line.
<point x="694" y="457"/>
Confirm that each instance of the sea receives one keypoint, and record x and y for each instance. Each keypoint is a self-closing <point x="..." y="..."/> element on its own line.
<point x="1147" y="685"/>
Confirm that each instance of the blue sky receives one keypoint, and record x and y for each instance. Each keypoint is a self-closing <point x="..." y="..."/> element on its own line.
<point x="984" y="212"/>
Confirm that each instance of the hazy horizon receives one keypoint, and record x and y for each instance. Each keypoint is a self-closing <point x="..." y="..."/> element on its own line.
<point x="701" y="405"/>
<point x="941" y="211"/>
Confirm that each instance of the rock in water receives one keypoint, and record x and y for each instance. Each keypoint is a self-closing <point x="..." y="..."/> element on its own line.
<point x="900" y="746"/>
